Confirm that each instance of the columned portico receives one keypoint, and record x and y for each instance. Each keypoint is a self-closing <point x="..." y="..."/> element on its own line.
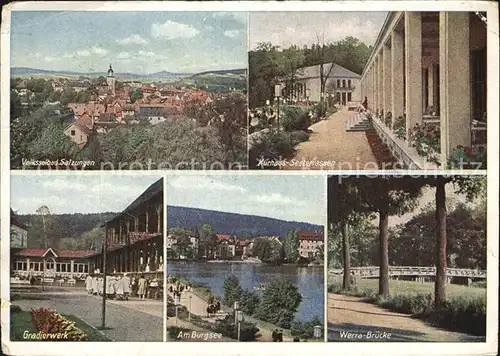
<point x="413" y="66"/>
<point x="430" y="68"/>
<point x="455" y="80"/>
<point x="387" y="78"/>
<point x="397" y="74"/>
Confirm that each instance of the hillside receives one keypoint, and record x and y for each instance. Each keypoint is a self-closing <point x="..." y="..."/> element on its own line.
<point x="229" y="72"/>
<point x="231" y="223"/>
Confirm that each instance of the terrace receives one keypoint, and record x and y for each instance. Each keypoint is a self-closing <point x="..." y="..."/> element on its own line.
<point x="425" y="83"/>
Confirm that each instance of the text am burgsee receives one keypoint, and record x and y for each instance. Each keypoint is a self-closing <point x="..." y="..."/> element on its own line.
<point x="369" y="335"/>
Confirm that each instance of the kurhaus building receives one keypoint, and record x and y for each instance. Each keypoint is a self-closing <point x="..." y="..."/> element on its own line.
<point x="429" y="68"/>
<point x="135" y="236"/>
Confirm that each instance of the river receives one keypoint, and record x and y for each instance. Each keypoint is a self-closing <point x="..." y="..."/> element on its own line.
<point x="309" y="280"/>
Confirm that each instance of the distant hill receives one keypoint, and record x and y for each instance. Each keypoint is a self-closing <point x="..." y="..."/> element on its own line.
<point x="231" y="223"/>
<point x="237" y="72"/>
<point x="22" y="71"/>
<point x="68" y="225"/>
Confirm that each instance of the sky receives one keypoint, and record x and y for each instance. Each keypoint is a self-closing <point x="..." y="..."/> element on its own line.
<point x="67" y="194"/>
<point x="300" y="28"/>
<point x="298" y="198"/>
<point x="136" y="42"/>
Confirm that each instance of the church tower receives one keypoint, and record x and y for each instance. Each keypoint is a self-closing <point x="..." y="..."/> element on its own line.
<point x="110" y="79"/>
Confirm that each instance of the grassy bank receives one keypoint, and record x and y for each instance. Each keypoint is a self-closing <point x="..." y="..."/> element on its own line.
<point x="465" y="310"/>
<point x="21" y="321"/>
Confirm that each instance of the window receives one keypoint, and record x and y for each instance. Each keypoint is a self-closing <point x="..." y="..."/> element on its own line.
<point x="73" y="133"/>
<point x="343" y="83"/>
<point x="63" y="267"/>
<point x="58" y="267"/>
<point x="425" y="88"/>
<point x="478" y="84"/>
<point x="349" y="96"/>
<point x="32" y="266"/>
<point x="349" y="83"/>
<point x="37" y="266"/>
<point x="338" y="83"/>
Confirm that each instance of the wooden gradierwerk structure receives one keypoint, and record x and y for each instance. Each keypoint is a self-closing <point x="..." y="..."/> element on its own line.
<point x="135" y="236"/>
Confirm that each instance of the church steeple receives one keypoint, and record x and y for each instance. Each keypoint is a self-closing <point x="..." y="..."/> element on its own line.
<point x="111" y="73"/>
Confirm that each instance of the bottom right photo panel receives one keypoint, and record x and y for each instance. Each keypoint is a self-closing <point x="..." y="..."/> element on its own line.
<point x="406" y="258"/>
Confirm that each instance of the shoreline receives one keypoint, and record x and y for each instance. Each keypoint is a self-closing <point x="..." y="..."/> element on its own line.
<point x="251" y="262"/>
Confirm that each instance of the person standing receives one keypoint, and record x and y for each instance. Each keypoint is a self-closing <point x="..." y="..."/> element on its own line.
<point x="365" y="103"/>
<point x="142" y="288"/>
<point x="88" y="284"/>
<point x="125" y="281"/>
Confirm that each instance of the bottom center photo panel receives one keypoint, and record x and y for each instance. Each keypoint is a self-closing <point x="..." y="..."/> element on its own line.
<point x="245" y="258"/>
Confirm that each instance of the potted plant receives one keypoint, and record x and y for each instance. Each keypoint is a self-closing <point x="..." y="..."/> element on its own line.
<point x="399" y="127"/>
<point x="426" y="141"/>
<point x="468" y="158"/>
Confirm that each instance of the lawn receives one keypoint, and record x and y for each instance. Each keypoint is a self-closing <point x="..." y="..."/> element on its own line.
<point x="411" y="287"/>
<point x="20" y="321"/>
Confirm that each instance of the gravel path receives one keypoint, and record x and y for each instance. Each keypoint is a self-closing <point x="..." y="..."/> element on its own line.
<point x="125" y="321"/>
<point x="330" y="141"/>
<point x="354" y="315"/>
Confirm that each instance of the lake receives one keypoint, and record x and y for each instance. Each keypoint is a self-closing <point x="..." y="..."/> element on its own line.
<point x="310" y="280"/>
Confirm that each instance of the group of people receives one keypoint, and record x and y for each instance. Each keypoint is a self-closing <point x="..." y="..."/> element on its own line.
<point x="118" y="287"/>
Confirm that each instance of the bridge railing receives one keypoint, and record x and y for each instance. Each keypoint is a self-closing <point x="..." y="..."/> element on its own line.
<point x="373" y="271"/>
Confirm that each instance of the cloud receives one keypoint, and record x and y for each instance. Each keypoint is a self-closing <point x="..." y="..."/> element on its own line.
<point x="123" y="55"/>
<point x="241" y="17"/>
<point x="231" y="33"/>
<point x="50" y="59"/>
<point x="132" y="39"/>
<point x="146" y="54"/>
<point x="209" y="28"/>
<point x="204" y="183"/>
<point x="99" y="50"/>
<point x="276" y="199"/>
<point x="171" y="30"/>
<point x="83" y="53"/>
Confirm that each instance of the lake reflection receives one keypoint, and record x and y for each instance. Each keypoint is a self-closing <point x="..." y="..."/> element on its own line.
<point x="310" y="280"/>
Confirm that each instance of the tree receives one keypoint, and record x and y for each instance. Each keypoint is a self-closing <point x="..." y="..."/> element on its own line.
<point x="279" y="303"/>
<point x="324" y="73"/>
<point x="68" y="95"/>
<point x="53" y="144"/>
<point x="291" y="246"/>
<point x="232" y="291"/>
<point x="249" y="302"/>
<point x="136" y="94"/>
<point x="291" y="60"/>
<point x="268" y="250"/>
<point x="387" y="196"/>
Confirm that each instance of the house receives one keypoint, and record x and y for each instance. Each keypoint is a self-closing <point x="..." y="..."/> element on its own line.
<point x="244" y="247"/>
<point x="50" y="263"/>
<point x="342" y="85"/>
<point x="310" y="243"/>
<point x="172" y="240"/>
<point x="79" y="131"/>
<point x="225" y="247"/>
<point x="18" y="232"/>
<point x="428" y="66"/>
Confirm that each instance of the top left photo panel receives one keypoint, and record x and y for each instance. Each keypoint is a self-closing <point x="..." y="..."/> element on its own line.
<point x="127" y="90"/>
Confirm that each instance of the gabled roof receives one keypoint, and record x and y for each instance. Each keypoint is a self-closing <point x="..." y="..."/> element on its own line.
<point x="337" y="71"/>
<point x="41" y="252"/>
<point x="311" y="236"/>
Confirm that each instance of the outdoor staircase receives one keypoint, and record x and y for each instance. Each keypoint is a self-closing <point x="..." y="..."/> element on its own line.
<point x="358" y="123"/>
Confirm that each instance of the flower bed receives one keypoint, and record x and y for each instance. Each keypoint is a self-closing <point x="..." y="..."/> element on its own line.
<point x="426" y="141"/>
<point x="52" y="323"/>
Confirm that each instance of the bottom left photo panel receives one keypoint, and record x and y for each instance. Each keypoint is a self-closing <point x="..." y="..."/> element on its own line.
<point x="87" y="257"/>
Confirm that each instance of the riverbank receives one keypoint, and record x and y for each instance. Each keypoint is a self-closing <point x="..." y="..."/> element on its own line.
<point x="197" y="298"/>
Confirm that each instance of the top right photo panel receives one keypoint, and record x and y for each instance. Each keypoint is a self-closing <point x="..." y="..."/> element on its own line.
<point x="367" y="90"/>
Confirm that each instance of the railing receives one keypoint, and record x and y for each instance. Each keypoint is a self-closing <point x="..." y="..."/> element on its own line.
<point x="49" y="274"/>
<point x="374" y="271"/>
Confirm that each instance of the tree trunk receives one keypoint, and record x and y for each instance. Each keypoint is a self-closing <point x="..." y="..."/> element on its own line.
<point x="347" y="256"/>
<point x="440" y="284"/>
<point x="383" y="281"/>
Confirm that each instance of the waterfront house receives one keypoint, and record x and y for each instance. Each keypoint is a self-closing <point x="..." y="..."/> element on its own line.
<point x="310" y="243"/>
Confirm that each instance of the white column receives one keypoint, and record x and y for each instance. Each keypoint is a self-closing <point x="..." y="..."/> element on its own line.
<point x="376" y="86"/>
<point x="413" y="60"/>
<point x="454" y="80"/>
<point x="397" y="74"/>
<point x="71" y="269"/>
<point x="387" y="79"/>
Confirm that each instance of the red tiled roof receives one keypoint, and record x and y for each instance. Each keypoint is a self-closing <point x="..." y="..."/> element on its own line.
<point x="39" y="252"/>
<point x="311" y="235"/>
<point x="244" y="243"/>
<point x="223" y="237"/>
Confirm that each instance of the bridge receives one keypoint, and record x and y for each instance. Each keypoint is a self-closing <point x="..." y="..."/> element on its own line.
<point x="410" y="271"/>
